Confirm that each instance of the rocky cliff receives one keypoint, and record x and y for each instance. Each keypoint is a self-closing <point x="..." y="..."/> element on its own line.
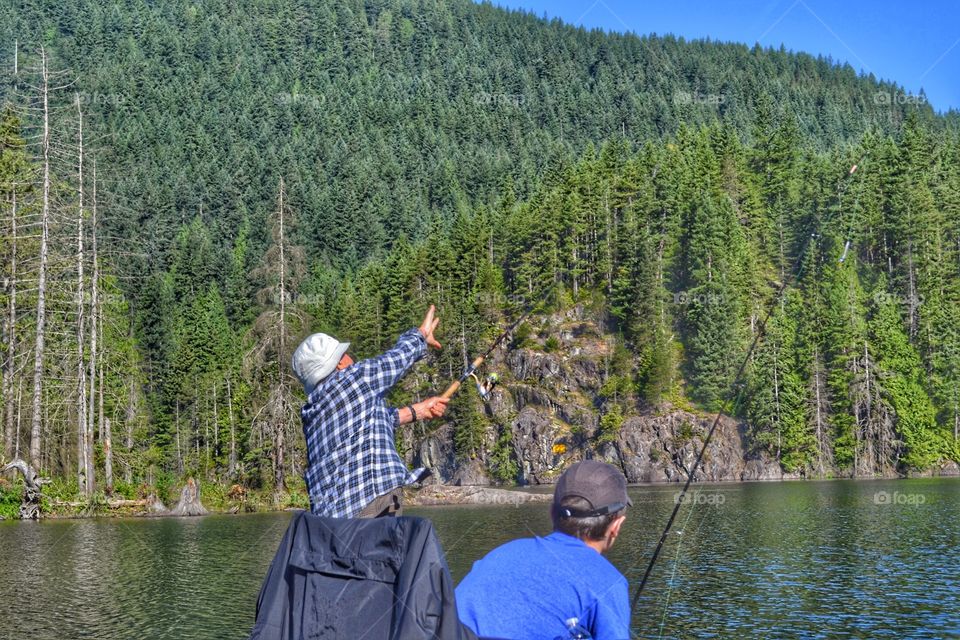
<point x="545" y="415"/>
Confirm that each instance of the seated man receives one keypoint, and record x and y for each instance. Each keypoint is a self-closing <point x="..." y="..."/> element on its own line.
<point x="353" y="468"/>
<point x="535" y="587"/>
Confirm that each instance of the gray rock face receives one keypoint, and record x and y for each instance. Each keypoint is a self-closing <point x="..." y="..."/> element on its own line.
<point x="471" y="474"/>
<point x="549" y="404"/>
<point x="950" y="468"/>
<point x="436" y="453"/>
<point x="534" y="436"/>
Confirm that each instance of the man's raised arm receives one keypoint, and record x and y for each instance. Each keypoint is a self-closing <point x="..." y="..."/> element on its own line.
<point x="383" y="371"/>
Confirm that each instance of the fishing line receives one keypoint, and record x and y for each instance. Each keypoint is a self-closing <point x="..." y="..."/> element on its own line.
<point x="795" y="273"/>
<point x="856" y="204"/>
<point x="676" y="563"/>
<point x="478" y="362"/>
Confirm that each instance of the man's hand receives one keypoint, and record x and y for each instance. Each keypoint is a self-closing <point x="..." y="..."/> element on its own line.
<point x="431" y="407"/>
<point x="428" y="326"/>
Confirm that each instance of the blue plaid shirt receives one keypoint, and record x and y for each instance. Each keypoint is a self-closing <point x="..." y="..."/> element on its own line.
<point x="351" y="455"/>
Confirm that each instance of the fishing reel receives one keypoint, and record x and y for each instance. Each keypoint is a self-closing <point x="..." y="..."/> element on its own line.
<point x="485" y="388"/>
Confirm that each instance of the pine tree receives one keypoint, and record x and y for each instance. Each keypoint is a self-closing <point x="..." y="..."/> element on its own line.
<point x="901" y="381"/>
<point x="714" y="255"/>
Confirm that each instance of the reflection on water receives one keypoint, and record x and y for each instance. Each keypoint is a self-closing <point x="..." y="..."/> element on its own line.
<point x="813" y="560"/>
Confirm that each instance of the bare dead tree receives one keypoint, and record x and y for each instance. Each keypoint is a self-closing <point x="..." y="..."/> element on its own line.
<point x="96" y="356"/>
<point x="280" y="424"/>
<point x="129" y="418"/>
<point x="232" y="459"/>
<point x="11" y="335"/>
<point x="84" y="450"/>
<point x="282" y="268"/>
<point x="36" y="419"/>
<point x="32" y="485"/>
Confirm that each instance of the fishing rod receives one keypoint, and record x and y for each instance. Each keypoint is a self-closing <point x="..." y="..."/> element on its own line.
<point x="794" y="274"/>
<point x="478" y="362"/>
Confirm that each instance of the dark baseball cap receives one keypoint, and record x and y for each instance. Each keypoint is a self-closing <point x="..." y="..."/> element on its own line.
<point x="600" y="484"/>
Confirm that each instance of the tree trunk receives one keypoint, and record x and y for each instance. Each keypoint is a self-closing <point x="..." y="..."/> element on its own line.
<point x="819" y="427"/>
<point x="869" y="408"/>
<point x="108" y="458"/>
<point x="179" y="450"/>
<point x="105" y="433"/>
<point x="280" y="433"/>
<point x="84" y="454"/>
<point x="189" y="504"/>
<point x="36" y="421"/>
<point x="10" y="363"/>
<point x="94" y="307"/>
<point x="776" y="402"/>
<point x="17" y="422"/>
<point x="216" y="421"/>
<point x="232" y="460"/>
<point x="32" y="485"/>
<point x="129" y="417"/>
<point x="281" y="419"/>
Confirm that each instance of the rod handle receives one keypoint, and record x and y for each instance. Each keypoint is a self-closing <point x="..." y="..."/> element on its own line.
<point x="452" y="389"/>
<point x="455" y="385"/>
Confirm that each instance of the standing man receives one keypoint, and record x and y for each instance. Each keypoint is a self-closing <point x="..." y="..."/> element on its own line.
<point x="538" y="588"/>
<point x="353" y="468"/>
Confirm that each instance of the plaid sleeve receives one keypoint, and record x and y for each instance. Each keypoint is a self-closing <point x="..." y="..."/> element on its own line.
<point x="382" y="372"/>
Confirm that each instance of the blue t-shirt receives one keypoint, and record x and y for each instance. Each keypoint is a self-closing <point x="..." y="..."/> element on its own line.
<point x="527" y="589"/>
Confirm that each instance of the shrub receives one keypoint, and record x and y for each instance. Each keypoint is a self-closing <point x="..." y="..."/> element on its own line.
<point x="10" y="497"/>
<point x="502" y="464"/>
<point x="523" y="337"/>
<point x="610" y="424"/>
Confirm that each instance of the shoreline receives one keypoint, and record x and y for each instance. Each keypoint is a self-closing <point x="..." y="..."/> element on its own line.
<point x="449" y="495"/>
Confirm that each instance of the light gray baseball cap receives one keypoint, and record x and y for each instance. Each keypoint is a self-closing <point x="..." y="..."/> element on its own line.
<point x="316" y="358"/>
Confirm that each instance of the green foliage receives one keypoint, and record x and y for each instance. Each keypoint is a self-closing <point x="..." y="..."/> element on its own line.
<point x="502" y="459"/>
<point x="610" y="424"/>
<point x="523" y="337"/>
<point x="902" y="384"/>
<point x="470" y="425"/>
<point x="126" y="490"/>
<point x="777" y="399"/>
<point x="10" y="497"/>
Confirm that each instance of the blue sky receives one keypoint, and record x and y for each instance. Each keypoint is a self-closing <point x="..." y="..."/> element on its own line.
<point x="915" y="44"/>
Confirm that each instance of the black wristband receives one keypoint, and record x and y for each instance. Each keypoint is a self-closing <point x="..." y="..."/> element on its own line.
<point x="413" y="413"/>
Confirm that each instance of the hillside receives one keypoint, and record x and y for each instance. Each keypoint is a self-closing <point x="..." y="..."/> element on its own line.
<point x="268" y="171"/>
<point x="386" y="117"/>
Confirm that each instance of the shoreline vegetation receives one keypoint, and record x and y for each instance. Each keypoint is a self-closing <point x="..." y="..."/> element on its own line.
<point x="234" y="500"/>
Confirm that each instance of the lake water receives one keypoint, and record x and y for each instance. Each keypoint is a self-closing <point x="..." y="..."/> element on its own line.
<point x="836" y="559"/>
